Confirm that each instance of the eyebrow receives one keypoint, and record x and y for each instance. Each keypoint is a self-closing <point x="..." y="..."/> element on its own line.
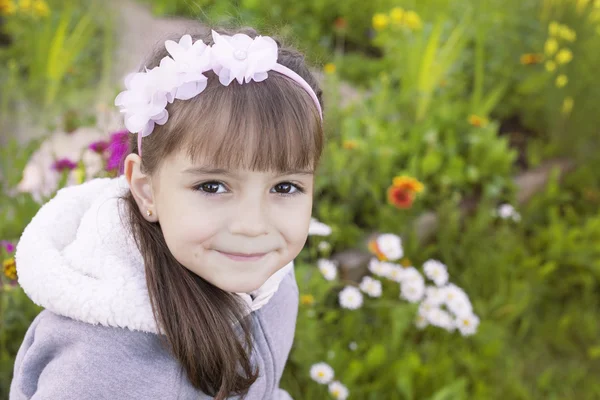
<point x="221" y="171"/>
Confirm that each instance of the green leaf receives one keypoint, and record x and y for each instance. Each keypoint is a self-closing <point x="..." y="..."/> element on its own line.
<point x="376" y="356"/>
<point x="453" y="391"/>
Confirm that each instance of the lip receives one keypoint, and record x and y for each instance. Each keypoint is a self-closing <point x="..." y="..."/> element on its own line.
<point x="243" y="257"/>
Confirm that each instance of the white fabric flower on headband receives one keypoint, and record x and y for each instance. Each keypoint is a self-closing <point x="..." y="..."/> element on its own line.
<point x="242" y="58"/>
<point x="191" y="60"/>
<point x="144" y="101"/>
<point x="181" y="76"/>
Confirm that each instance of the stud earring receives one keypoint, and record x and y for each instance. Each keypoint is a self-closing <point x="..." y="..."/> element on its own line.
<point x="149" y="213"/>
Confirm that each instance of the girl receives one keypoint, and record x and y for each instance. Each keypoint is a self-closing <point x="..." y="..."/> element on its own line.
<point x="176" y="280"/>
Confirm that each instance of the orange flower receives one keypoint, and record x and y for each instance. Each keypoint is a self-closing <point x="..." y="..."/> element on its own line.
<point x="373" y="248"/>
<point x="408" y="183"/>
<point x="350" y="144"/>
<point x="340" y="23"/>
<point x="531" y="58"/>
<point x="400" y="197"/>
<point x="477" y="121"/>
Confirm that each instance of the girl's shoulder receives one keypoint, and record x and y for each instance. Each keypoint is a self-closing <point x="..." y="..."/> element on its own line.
<point x="64" y="358"/>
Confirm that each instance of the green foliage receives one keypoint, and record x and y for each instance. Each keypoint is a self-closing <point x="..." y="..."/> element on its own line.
<point x="434" y="100"/>
<point x="52" y="57"/>
<point x="534" y="284"/>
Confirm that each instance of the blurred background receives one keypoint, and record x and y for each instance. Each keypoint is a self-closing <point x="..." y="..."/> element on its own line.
<point x="457" y="249"/>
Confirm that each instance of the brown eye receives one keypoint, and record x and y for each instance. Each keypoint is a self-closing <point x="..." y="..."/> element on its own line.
<point x="287" y="189"/>
<point x="210" y="187"/>
<point x="284" y="188"/>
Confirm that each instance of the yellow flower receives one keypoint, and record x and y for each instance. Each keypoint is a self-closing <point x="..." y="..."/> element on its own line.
<point x="550" y="47"/>
<point x="568" y="34"/>
<point x="25" y="5"/>
<point x="329" y="68"/>
<point x="412" y="20"/>
<point x="397" y="14"/>
<point x="531" y="58"/>
<point x="380" y="21"/>
<point x="307" y="299"/>
<point x="10" y="268"/>
<point x="405" y="262"/>
<point x="408" y="183"/>
<point x="477" y="121"/>
<point x="550" y="66"/>
<point x="564" y="56"/>
<point x="40" y="8"/>
<point x="561" y="81"/>
<point x="554" y="28"/>
<point x="350" y="144"/>
<point x="567" y="105"/>
<point x="7" y="7"/>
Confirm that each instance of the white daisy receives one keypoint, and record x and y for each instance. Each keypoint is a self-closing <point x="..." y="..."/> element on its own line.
<point x="371" y="286"/>
<point x="506" y="211"/>
<point x="421" y="321"/>
<point x="436" y="271"/>
<point x="351" y="298"/>
<point x="353" y="346"/>
<point x="441" y="318"/>
<point x="411" y="274"/>
<point x="413" y="289"/>
<point x="379" y="268"/>
<point x="327" y="268"/>
<point x="457" y="300"/>
<point x="425" y="307"/>
<point x="317" y="228"/>
<point x="390" y="246"/>
<point x="395" y="273"/>
<point x="321" y="373"/>
<point x="434" y="295"/>
<point x="338" y="391"/>
<point x="460" y="306"/>
<point x="324" y="246"/>
<point x="467" y="324"/>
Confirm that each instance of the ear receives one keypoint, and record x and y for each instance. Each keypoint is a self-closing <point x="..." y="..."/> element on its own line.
<point x="140" y="185"/>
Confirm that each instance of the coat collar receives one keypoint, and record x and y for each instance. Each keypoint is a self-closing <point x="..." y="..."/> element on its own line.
<point x="77" y="259"/>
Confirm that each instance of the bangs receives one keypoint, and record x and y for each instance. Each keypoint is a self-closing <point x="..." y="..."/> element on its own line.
<point x="271" y="125"/>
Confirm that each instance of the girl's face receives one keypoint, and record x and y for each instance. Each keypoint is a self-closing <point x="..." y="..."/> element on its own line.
<point x="233" y="228"/>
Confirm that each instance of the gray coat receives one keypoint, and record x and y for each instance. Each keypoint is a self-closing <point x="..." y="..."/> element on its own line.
<point x="96" y="338"/>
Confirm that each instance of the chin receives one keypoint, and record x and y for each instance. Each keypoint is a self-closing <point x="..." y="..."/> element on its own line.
<point x="245" y="287"/>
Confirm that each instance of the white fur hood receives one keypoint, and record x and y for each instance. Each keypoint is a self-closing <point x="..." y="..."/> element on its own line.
<point x="77" y="259"/>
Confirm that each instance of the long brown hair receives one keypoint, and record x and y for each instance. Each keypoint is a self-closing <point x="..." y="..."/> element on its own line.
<point x="270" y="125"/>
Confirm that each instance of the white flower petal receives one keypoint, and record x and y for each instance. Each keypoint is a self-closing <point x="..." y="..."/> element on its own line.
<point x="321" y="373"/>
<point x="350" y="298"/>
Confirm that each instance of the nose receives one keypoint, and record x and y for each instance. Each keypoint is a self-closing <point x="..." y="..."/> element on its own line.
<point x="250" y="218"/>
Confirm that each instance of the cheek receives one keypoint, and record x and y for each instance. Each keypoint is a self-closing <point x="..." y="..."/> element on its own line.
<point x="294" y="225"/>
<point x="186" y="226"/>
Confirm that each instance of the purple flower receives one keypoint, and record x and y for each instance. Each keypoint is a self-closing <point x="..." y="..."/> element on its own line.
<point x="118" y="148"/>
<point x="8" y="246"/>
<point x="99" y="146"/>
<point x="64" y="164"/>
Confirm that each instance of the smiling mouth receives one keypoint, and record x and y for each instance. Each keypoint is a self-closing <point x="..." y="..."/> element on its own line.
<point x="243" y="257"/>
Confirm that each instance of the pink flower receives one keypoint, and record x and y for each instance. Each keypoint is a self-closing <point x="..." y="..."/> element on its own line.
<point x="99" y="146"/>
<point x="118" y="148"/>
<point x="8" y="246"/>
<point x="64" y="164"/>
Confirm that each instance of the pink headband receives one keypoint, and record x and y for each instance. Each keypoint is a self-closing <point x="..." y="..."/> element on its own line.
<point x="181" y="77"/>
